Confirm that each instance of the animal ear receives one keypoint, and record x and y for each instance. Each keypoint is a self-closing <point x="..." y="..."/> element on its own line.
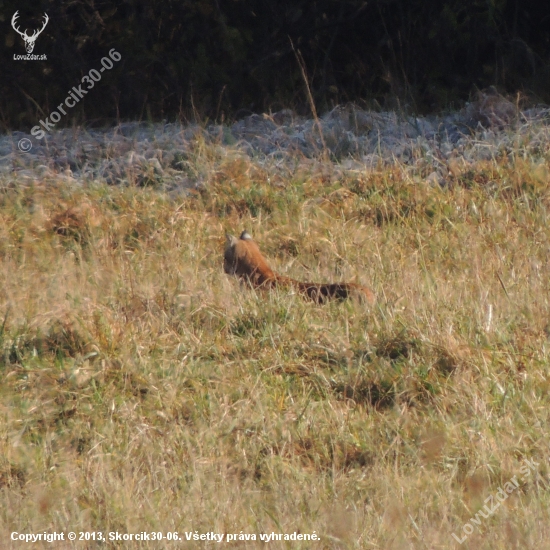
<point x="230" y="240"/>
<point x="245" y="236"/>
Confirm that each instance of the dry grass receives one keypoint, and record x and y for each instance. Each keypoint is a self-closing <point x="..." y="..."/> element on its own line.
<point x="144" y="390"/>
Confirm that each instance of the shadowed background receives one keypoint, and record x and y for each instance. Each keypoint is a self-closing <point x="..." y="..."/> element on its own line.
<point x="221" y="59"/>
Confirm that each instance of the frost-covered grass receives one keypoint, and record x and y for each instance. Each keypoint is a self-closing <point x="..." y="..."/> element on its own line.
<point x="141" y="389"/>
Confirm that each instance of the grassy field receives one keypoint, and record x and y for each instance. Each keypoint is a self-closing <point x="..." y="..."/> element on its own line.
<point x="142" y="389"/>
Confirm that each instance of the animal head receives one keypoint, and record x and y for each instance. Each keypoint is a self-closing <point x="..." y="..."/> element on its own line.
<point x="233" y="252"/>
<point x="243" y="258"/>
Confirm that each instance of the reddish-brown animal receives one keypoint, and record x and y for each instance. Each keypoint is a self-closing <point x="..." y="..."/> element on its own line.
<point x="243" y="259"/>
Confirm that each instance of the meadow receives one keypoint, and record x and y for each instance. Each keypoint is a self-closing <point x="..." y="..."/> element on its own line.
<point x="143" y="390"/>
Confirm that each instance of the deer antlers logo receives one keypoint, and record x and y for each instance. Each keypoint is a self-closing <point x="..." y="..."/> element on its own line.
<point x="29" y="40"/>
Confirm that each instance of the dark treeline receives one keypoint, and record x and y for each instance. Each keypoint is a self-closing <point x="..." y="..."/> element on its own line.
<point x="221" y="58"/>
